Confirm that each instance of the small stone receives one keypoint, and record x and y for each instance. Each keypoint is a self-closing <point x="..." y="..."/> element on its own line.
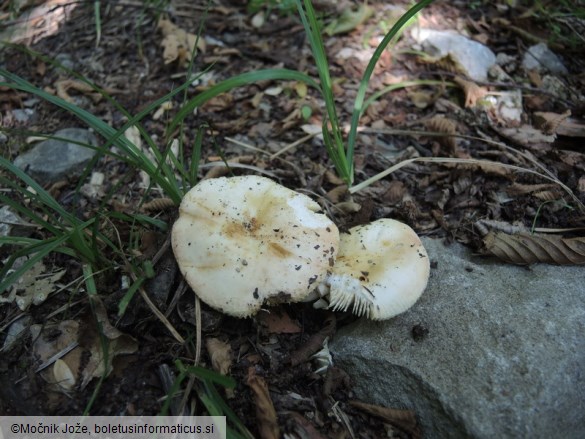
<point x="53" y="159"/>
<point x="11" y="224"/>
<point x="472" y="57"/>
<point x="540" y="58"/>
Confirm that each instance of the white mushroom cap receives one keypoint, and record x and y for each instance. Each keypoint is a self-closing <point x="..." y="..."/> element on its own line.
<point x="241" y="241"/>
<point x="381" y="269"/>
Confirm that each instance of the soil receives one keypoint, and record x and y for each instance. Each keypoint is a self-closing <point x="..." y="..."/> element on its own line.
<point x="443" y="200"/>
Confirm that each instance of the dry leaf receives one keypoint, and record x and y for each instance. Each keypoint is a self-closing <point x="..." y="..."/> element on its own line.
<point x="421" y="99"/>
<point x="525" y="248"/>
<point x="554" y="123"/>
<point x="523" y="189"/>
<point x="338" y="193"/>
<point x="33" y="287"/>
<point x="63" y="375"/>
<point x="525" y="135"/>
<point x="403" y="419"/>
<point x="473" y="92"/>
<point x="177" y="43"/>
<point x="304" y="428"/>
<point x="314" y="343"/>
<point x="265" y="413"/>
<point x="64" y="85"/>
<point x="58" y="342"/>
<point x="220" y="354"/>
<point x="443" y="125"/>
<point x="118" y="344"/>
<point x="278" y="322"/>
<point x="219" y="103"/>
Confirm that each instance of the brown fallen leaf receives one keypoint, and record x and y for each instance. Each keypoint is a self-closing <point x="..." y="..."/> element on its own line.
<point x="473" y="92"/>
<point x="524" y="248"/>
<point x="278" y="322"/>
<point x="526" y="135"/>
<point x="54" y="343"/>
<point x="443" y="125"/>
<point x="34" y="287"/>
<point x="550" y="123"/>
<point x="118" y="343"/>
<point x="337" y="194"/>
<point x="314" y="343"/>
<point x="220" y="354"/>
<point x="303" y="427"/>
<point x="403" y="419"/>
<point x="177" y="43"/>
<point x="63" y="86"/>
<point x="265" y="412"/>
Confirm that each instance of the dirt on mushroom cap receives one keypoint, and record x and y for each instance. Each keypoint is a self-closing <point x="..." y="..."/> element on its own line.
<point x="241" y="241"/>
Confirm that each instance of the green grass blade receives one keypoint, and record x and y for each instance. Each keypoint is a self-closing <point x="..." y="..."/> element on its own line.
<point x="38" y="253"/>
<point x="134" y="156"/>
<point x="196" y="157"/>
<point x="227" y="411"/>
<point x="98" y="22"/>
<point x="40" y="194"/>
<point x="359" y="100"/>
<point x="211" y="376"/>
<point x="123" y="304"/>
<point x="234" y="82"/>
<point x="313" y="31"/>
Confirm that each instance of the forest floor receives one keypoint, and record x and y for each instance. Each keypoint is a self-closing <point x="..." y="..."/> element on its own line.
<point x="249" y="127"/>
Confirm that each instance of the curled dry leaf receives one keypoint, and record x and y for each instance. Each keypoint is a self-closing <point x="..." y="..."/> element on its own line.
<point x="220" y="354"/>
<point x="443" y="125"/>
<point x="403" y="419"/>
<point x="525" y="248"/>
<point x="303" y="427"/>
<point x="315" y="342"/>
<point x="158" y="204"/>
<point x="34" y="287"/>
<point x="473" y="92"/>
<point x="278" y="322"/>
<point x="554" y="123"/>
<point x="265" y="412"/>
<point x="177" y="43"/>
<point x="64" y="85"/>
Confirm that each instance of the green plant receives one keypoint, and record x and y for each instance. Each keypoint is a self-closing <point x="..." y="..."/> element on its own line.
<point x="340" y="152"/>
<point x="284" y="7"/>
<point x="209" y="396"/>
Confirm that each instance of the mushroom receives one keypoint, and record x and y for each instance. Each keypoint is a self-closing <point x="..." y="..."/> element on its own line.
<point x="381" y="270"/>
<point x="244" y="241"/>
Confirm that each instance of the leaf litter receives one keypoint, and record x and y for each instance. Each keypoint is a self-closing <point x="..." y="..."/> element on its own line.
<point x="530" y="120"/>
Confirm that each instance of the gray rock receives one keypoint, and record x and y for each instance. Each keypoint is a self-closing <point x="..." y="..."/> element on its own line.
<point x="11" y="224"/>
<point x="53" y="159"/>
<point x="540" y="58"/>
<point x="473" y="57"/>
<point x="504" y="355"/>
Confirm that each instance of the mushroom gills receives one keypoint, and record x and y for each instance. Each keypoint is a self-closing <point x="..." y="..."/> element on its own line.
<point x="345" y="291"/>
